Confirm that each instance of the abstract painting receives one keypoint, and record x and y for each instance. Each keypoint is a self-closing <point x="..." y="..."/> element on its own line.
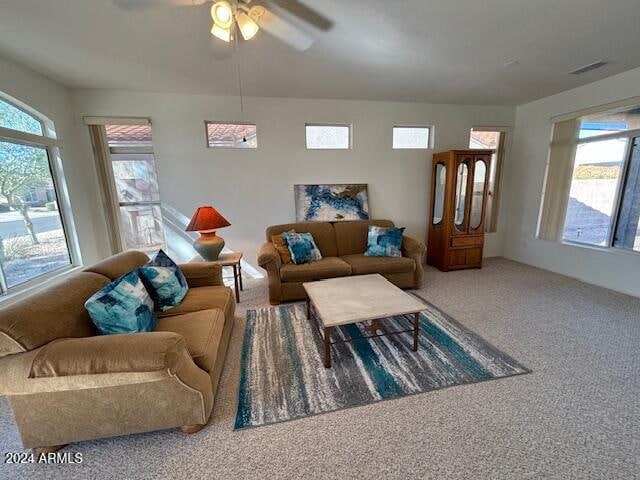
<point x="331" y="202"/>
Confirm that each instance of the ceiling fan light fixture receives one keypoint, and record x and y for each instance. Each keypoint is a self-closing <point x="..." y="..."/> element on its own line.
<point x="256" y="12"/>
<point x="221" y="33"/>
<point x="248" y="28"/>
<point x="222" y="14"/>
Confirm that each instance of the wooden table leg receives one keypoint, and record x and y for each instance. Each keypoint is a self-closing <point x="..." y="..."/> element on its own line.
<point x="240" y="275"/>
<point x="416" y="331"/>
<point x="327" y="347"/>
<point x="236" y="284"/>
<point x="373" y="327"/>
<point x="308" y="309"/>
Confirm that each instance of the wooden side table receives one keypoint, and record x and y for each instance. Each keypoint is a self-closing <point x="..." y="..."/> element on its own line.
<point x="232" y="260"/>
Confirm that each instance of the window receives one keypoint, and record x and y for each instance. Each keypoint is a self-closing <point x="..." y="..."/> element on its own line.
<point x="15" y="118"/>
<point x="603" y="207"/>
<point x="628" y="228"/>
<point x="330" y="137"/>
<point x="411" y="137"/>
<point x="491" y="138"/>
<point x="597" y="173"/>
<point x="34" y="215"/>
<point x="593" y="171"/>
<point x="607" y="123"/>
<point x="134" y="187"/>
<point x="231" y="135"/>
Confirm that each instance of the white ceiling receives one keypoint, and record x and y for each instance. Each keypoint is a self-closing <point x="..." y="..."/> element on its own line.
<point x="443" y="51"/>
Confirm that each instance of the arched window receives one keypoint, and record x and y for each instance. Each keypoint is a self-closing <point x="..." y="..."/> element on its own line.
<point x="35" y="218"/>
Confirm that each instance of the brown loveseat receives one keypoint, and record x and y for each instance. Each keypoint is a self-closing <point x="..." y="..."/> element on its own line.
<point x="342" y="245"/>
<point x="66" y="383"/>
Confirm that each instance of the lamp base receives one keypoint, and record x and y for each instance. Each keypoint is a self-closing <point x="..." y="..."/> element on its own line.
<point x="209" y="246"/>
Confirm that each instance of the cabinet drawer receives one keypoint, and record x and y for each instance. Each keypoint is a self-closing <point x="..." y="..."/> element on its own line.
<point x="467" y="241"/>
<point x="465" y="257"/>
<point x="457" y="258"/>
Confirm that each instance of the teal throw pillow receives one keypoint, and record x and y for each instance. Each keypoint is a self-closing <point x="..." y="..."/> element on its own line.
<point x="302" y="247"/>
<point x="165" y="281"/>
<point x="123" y="306"/>
<point x="384" y="241"/>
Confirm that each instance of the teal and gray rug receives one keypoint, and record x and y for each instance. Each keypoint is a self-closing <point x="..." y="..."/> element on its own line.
<point x="283" y="377"/>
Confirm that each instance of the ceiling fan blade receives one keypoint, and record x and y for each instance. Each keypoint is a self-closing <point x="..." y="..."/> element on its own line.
<point x="284" y="30"/>
<point x="144" y="4"/>
<point x="302" y="12"/>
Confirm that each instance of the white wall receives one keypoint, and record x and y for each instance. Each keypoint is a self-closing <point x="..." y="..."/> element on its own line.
<point x="53" y="101"/>
<point x="254" y="188"/>
<point x="523" y="181"/>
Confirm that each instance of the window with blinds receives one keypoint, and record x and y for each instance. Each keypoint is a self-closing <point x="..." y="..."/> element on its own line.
<point x="592" y="186"/>
<point x="127" y="171"/>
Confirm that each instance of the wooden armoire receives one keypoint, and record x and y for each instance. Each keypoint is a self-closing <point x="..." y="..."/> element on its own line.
<point x="459" y="181"/>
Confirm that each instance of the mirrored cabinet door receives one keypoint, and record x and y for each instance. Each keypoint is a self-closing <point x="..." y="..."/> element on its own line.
<point x="439" y="193"/>
<point x="461" y="195"/>
<point x="478" y="195"/>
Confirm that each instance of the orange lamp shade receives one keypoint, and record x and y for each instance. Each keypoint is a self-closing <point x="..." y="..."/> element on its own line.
<point x="206" y="218"/>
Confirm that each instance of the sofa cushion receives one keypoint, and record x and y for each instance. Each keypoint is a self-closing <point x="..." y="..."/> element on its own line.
<point x="384" y="241"/>
<point x="118" y="265"/>
<point x="202" y="274"/>
<point x="164" y="285"/>
<point x="201" y="330"/>
<point x="123" y="306"/>
<point x="323" y="234"/>
<point x="281" y="246"/>
<point x="362" y="265"/>
<point x="328" y="267"/>
<point x="302" y="247"/>
<point x="164" y="281"/>
<point x="204" y="298"/>
<point x="54" y="312"/>
<point x="351" y="236"/>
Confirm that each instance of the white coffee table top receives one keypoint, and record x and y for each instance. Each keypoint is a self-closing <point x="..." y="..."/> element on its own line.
<point x="344" y="300"/>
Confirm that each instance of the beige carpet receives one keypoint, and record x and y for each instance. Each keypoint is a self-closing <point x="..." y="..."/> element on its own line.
<point x="577" y="416"/>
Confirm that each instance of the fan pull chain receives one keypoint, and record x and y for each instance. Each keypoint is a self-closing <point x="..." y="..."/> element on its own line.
<point x="235" y="38"/>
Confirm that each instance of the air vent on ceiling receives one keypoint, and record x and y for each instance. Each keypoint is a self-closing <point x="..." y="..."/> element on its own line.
<point x="588" y="68"/>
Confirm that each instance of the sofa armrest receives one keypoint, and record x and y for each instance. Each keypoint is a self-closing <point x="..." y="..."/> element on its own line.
<point x="413" y="248"/>
<point x="269" y="258"/>
<point x="202" y="274"/>
<point x="120" y="353"/>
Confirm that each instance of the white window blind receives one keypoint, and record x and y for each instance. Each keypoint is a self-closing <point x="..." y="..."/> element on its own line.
<point x="557" y="180"/>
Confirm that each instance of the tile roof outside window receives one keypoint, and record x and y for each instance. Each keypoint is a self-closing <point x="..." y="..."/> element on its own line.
<point x="129" y="135"/>
<point x="231" y="135"/>
<point x="484" y="139"/>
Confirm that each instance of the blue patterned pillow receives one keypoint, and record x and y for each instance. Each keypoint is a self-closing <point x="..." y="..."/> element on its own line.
<point x="165" y="281"/>
<point x="302" y="247"/>
<point x="123" y="306"/>
<point x="384" y="242"/>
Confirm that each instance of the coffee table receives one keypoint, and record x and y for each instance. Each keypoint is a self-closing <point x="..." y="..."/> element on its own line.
<point x="359" y="298"/>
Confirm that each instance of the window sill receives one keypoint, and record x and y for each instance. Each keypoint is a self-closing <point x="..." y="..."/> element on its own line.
<point x="596" y="248"/>
<point x="25" y="289"/>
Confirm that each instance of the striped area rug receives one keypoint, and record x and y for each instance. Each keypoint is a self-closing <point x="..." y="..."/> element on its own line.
<point x="283" y="377"/>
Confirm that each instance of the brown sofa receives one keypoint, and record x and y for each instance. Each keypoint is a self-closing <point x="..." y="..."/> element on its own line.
<point x="342" y="245"/>
<point x="66" y="383"/>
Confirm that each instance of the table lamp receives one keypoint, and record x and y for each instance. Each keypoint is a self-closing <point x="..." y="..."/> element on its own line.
<point x="205" y="221"/>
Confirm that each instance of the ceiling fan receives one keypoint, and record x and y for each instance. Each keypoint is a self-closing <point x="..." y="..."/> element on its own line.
<point x="288" y="20"/>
